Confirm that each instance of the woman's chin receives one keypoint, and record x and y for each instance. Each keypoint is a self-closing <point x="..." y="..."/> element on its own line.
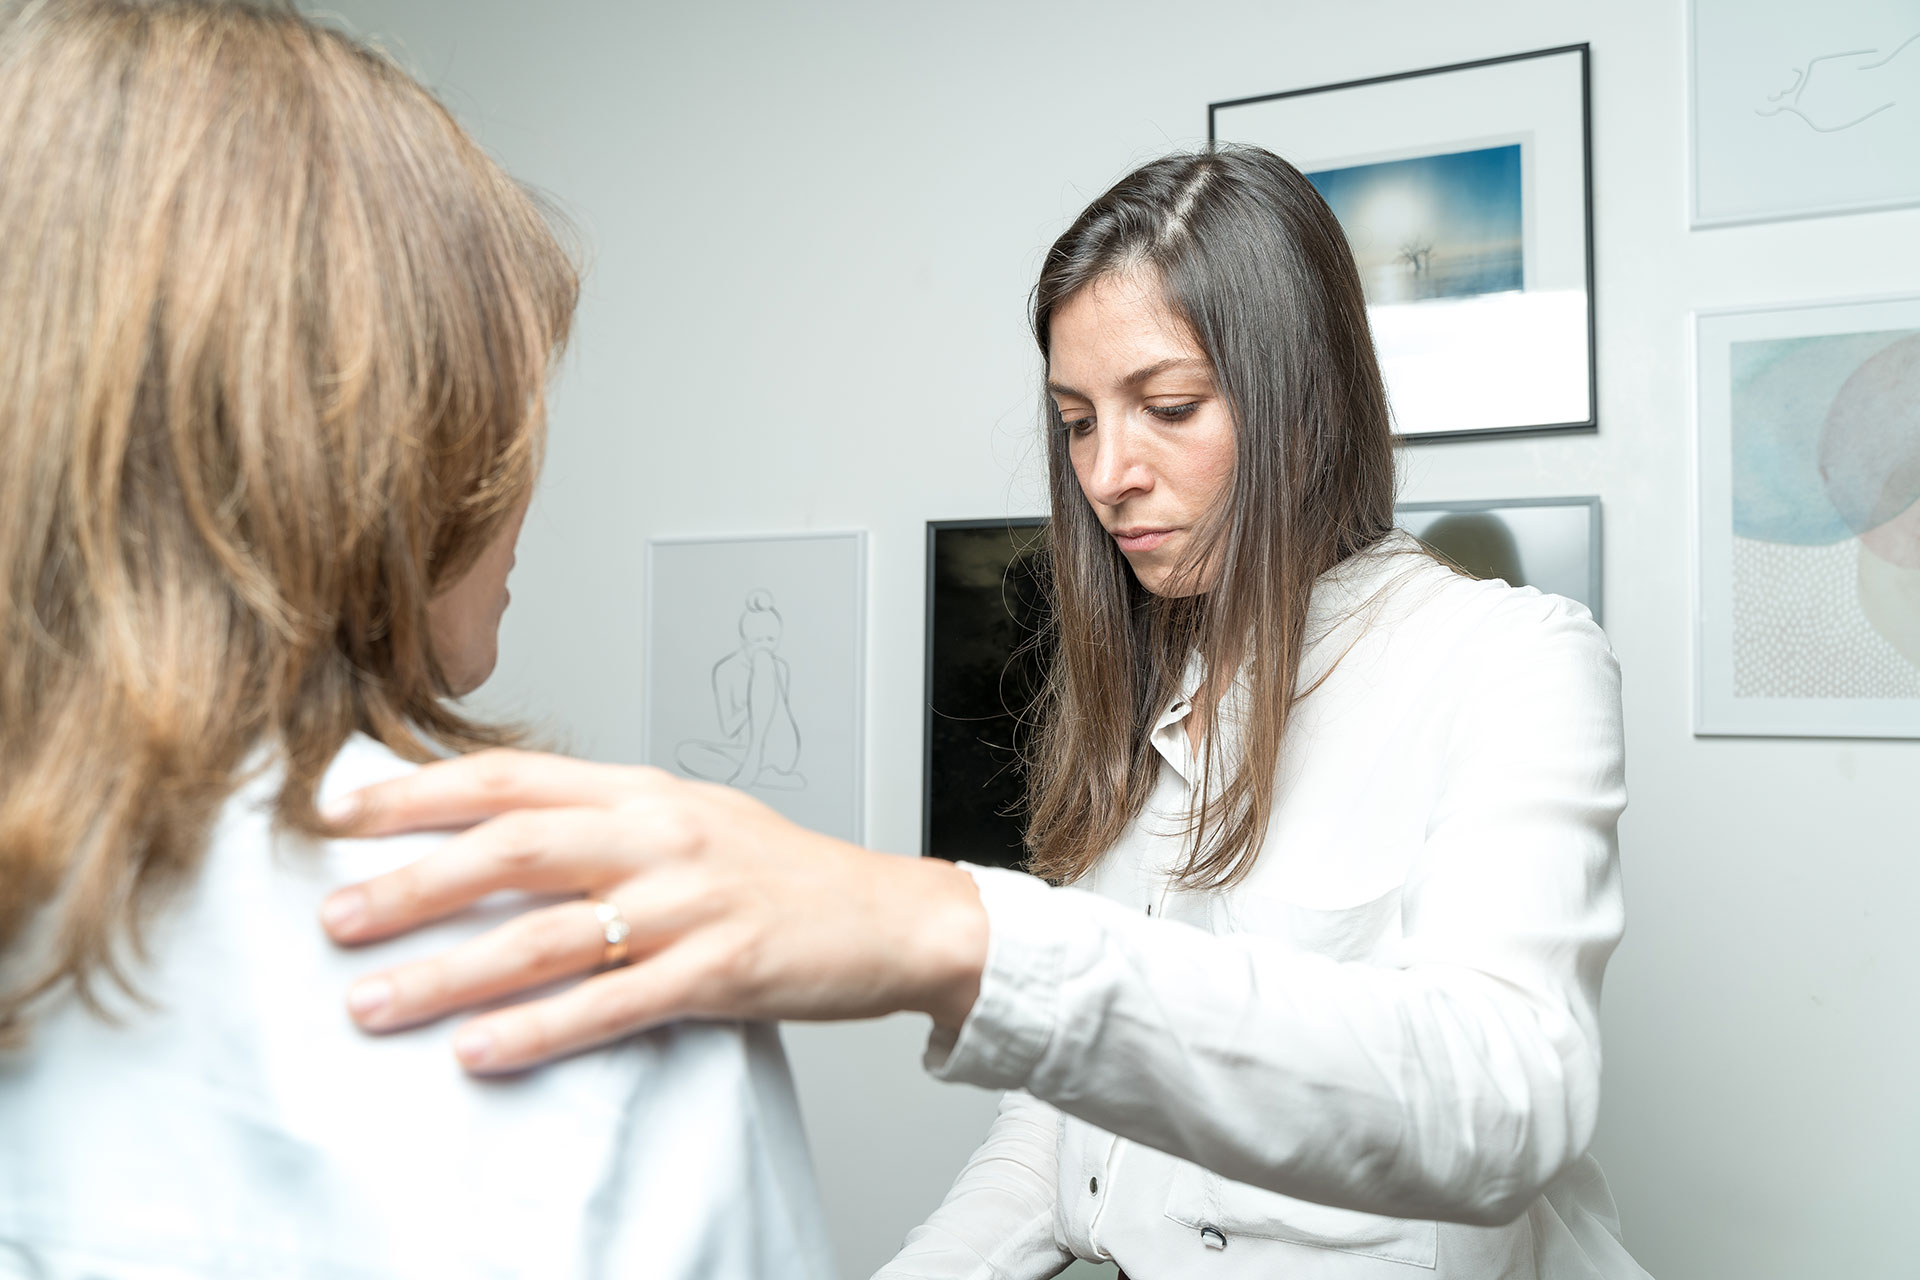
<point x="1162" y="578"/>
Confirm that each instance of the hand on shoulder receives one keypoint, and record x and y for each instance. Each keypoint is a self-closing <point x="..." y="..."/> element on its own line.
<point x="732" y="910"/>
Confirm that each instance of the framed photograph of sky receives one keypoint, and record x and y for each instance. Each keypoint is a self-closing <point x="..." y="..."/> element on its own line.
<point x="1465" y="194"/>
<point x="1445" y="226"/>
<point x="1807" y="569"/>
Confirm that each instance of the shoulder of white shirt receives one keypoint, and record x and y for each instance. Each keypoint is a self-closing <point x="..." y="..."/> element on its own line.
<point x="1400" y="569"/>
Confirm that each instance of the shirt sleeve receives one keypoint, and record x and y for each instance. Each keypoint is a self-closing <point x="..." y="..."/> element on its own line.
<point x="1453" y="1087"/>
<point x="997" y="1221"/>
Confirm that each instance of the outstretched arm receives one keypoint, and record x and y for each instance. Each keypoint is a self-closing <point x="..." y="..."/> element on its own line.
<point x="1454" y="1087"/>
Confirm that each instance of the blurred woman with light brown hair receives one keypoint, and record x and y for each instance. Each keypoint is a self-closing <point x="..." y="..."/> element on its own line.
<point x="274" y="334"/>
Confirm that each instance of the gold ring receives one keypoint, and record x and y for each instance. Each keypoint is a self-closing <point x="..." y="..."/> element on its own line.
<point x="614" y="928"/>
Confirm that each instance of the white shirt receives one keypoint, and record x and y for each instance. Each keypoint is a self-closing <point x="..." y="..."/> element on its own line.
<point x="1388" y="1030"/>
<point x="245" y="1128"/>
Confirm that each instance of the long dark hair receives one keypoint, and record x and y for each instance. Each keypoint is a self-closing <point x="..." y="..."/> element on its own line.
<point x="1245" y="251"/>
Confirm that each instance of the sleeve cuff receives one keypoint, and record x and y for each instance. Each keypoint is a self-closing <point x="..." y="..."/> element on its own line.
<point x="1013" y="1019"/>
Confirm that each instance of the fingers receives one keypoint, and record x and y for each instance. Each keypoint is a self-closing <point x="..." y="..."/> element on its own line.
<point x="535" y="850"/>
<point x="528" y="952"/>
<point x="601" y="1009"/>
<point x="457" y="793"/>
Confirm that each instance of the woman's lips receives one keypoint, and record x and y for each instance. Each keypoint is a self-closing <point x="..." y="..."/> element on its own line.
<point x="1137" y="540"/>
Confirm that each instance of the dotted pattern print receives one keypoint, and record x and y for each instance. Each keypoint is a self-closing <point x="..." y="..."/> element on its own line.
<point x="1799" y="631"/>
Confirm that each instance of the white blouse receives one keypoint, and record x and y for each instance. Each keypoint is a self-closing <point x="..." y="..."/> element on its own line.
<point x="243" y="1128"/>
<point x="1375" y="1057"/>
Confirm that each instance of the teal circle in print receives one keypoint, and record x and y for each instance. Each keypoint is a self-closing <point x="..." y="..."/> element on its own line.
<point x="1783" y="389"/>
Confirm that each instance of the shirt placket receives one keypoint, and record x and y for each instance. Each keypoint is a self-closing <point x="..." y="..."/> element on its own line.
<point x="1100" y="1167"/>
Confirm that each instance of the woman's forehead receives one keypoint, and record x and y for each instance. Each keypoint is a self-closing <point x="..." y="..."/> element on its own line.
<point x="1119" y="332"/>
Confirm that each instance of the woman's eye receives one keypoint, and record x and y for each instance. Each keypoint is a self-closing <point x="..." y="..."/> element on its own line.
<point x="1077" y="426"/>
<point x="1173" y="412"/>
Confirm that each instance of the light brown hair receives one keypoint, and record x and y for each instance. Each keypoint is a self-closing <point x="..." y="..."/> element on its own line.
<point x="274" y="334"/>
<point x="1246" y="253"/>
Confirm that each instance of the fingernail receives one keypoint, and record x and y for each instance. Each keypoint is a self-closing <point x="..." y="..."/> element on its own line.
<point x="366" y="999"/>
<point x="343" y="911"/>
<point x="341" y="809"/>
<point x="473" y="1045"/>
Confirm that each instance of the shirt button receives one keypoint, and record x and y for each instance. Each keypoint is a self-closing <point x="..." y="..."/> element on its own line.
<point x="1213" y="1237"/>
<point x="1093" y="1186"/>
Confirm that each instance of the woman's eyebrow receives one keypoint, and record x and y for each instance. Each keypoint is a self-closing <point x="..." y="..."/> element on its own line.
<point x="1176" y="364"/>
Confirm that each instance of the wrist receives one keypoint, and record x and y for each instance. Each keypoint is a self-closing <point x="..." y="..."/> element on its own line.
<point x="949" y="941"/>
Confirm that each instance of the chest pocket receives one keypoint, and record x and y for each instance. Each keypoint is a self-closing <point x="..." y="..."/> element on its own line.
<point x="1367" y="932"/>
<point x="1199" y="1200"/>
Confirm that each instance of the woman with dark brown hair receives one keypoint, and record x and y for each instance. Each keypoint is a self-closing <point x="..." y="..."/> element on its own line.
<point x="274" y="338"/>
<point x="1314" y="990"/>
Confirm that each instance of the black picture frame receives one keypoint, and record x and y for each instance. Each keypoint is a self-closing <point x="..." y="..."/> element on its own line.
<point x="970" y="780"/>
<point x="1219" y="121"/>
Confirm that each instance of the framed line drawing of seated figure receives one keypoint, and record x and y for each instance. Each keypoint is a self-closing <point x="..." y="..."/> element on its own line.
<point x="758" y="745"/>
<point x="755" y="670"/>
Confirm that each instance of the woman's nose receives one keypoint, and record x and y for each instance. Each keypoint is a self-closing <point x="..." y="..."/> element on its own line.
<point x="1119" y="470"/>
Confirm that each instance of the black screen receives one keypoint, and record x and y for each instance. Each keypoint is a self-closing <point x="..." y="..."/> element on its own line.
<point x="985" y="610"/>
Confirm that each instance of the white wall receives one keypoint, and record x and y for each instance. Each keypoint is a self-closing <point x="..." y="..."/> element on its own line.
<point x="814" y="227"/>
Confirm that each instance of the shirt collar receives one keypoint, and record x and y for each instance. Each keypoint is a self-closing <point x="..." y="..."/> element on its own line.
<point x="1339" y="595"/>
<point x="1182" y="704"/>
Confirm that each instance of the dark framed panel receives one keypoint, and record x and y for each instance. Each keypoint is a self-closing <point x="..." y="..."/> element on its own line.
<point x="1466" y="192"/>
<point x="984" y="585"/>
<point x="1549" y="543"/>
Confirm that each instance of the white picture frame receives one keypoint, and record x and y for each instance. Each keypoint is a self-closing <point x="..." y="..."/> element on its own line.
<point x="1801" y="110"/>
<point x="1465" y="352"/>
<point x="754" y="668"/>
<point x="1806" y="621"/>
